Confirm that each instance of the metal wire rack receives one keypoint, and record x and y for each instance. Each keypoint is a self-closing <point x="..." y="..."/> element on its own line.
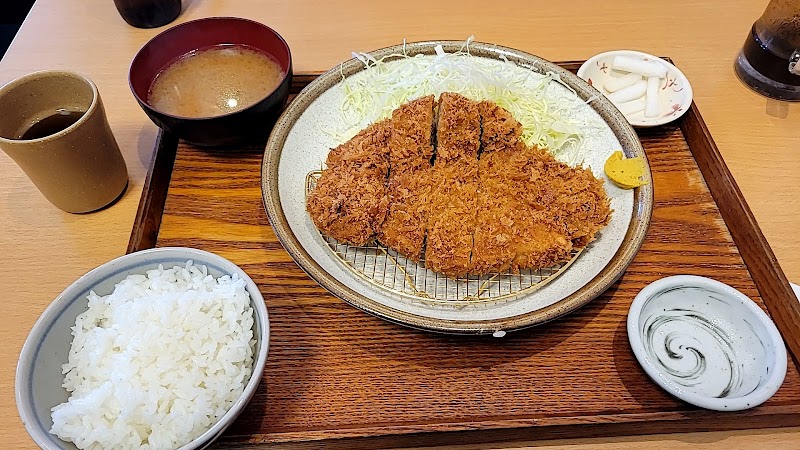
<point x="390" y="270"/>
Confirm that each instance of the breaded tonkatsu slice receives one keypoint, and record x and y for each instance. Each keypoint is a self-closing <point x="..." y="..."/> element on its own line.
<point x="453" y="216"/>
<point x="412" y="129"/>
<point x="515" y="229"/>
<point x="349" y="202"/>
<point x="408" y="189"/>
<point x="511" y="233"/>
<point x="458" y="130"/>
<point x="586" y="211"/>
<point x="561" y="207"/>
<point x="408" y="193"/>
<point x="494" y="241"/>
<point x="539" y="243"/>
<point x="454" y="184"/>
<point x="578" y="206"/>
<point x="367" y="149"/>
<point x="499" y="128"/>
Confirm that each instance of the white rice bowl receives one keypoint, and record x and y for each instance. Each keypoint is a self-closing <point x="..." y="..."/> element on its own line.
<point x="157" y="362"/>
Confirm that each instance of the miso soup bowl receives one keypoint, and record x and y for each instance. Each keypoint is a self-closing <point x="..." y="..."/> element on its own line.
<point x="251" y="124"/>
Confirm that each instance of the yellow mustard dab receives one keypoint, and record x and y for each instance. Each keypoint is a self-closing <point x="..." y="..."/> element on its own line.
<point x="625" y="173"/>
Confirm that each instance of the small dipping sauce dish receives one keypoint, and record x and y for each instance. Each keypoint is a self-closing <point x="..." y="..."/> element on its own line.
<point x="706" y="343"/>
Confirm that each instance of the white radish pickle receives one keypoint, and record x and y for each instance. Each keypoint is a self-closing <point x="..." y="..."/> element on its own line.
<point x="631" y="107"/>
<point x="615" y="84"/>
<point x="643" y="68"/>
<point x="652" y="108"/>
<point x="629" y="93"/>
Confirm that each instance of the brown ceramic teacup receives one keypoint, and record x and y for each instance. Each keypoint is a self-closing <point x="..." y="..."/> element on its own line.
<point x="55" y="128"/>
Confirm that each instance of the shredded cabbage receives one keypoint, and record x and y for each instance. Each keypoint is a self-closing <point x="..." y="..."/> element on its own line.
<point x="544" y="115"/>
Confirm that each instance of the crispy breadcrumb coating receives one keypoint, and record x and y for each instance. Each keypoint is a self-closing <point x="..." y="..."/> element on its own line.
<point x="405" y="226"/>
<point x="499" y="129"/>
<point x="514" y="233"/>
<point x="458" y="130"/>
<point x="349" y="201"/>
<point x="454" y="192"/>
<point x="489" y="203"/>
<point x="453" y="216"/>
<point x="408" y="188"/>
<point x="412" y="127"/>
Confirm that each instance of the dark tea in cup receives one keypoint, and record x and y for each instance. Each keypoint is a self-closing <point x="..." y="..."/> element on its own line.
<point x="51" y="124"/>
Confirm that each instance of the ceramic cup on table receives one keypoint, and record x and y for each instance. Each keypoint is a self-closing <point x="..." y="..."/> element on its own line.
<point x="55" y="128"/>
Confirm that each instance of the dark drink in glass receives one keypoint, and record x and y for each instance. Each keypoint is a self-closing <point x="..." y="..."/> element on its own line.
<point x="768" y="60"/>
<point x="148" y="13"/>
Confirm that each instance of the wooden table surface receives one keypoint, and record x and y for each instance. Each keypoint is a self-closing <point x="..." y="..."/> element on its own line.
<point x="42" y="250"/>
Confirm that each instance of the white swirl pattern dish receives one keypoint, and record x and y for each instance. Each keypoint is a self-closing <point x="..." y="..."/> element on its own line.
<point x="706" y="343"/>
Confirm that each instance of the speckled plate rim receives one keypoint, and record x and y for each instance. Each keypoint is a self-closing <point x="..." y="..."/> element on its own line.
<point x="751" y="400"/>
<point x="637" y="229"/>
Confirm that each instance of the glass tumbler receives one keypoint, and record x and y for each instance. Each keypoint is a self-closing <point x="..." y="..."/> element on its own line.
<point x="768" y="61"/>
<point x="148" y="13"/>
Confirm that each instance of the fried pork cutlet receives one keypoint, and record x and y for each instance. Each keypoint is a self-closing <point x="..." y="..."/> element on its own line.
<point x="488" y="204"/>
<point x="579" y="207"/>
<point x="349" y="202"/>
<point x="511" y="233"/>
<point x="569" y="200"/>
<point x="408" y="188"/>
<point x="458" y="130"/>
<point x="410" y="143"/>
<point x="454" y="193"/>
<point x="408" y="195"/>
<point x="453" y="217"/>
<point x="499" y="129"/>
<point x="495" y="240"/>
<point x="533" y="209"/>
<point x="515" y="234"/>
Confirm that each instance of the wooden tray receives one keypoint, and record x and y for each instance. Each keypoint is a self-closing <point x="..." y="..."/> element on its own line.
<point x="339" y="377"/>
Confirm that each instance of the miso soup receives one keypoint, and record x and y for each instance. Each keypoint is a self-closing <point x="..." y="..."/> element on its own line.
<point x="214" y="81"/>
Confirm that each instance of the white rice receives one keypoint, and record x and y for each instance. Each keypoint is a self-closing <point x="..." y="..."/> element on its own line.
<point x="158" y="362"/>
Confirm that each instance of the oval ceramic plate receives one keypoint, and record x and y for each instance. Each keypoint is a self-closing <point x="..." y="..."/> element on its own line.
<point x="299" y="145"/>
